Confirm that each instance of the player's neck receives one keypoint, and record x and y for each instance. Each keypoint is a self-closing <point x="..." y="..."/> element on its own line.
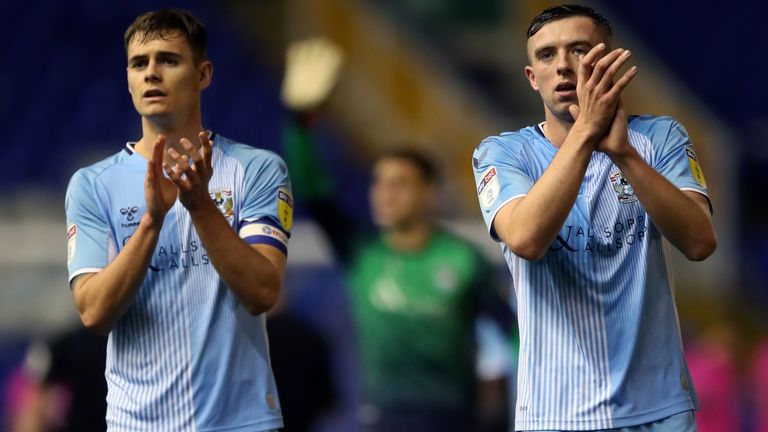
<point x="173" y="134"/>
<point x="409" y="238"/>
<point x="556" y="129"/>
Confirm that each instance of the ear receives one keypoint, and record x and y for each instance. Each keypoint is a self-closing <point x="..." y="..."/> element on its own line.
<point x="531" y="78"/>
<point x="206" y="74"/>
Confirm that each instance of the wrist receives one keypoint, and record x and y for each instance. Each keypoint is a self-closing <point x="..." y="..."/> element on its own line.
<point x="624" y="157"/>
<point x="582" y="138"/>
<point x="153" y="223"/>
<point x="202" y="207"/>
<point x="586" y="132"/>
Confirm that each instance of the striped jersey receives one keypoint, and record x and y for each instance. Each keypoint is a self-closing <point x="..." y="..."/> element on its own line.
<point x="186" y="356"/>
<point x="600" y="342"/>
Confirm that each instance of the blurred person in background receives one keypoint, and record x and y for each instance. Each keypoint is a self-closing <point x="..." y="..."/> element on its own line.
<point x="177" y="248"/>
<point x="416" y="290"/>
<point x="581" y="204"/>
<point x="60" y="387"/>
<point x="712" y="359"/>
<point x="758" y="383"/>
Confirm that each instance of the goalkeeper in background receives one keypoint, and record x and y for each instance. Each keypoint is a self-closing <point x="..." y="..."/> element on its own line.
<point x="416" y="291"/>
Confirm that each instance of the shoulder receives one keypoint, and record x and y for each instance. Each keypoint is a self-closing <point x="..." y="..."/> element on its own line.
<point x="367" y="247"/>
<point x="463" y="255"/>
<point x="85" y="177"/>
<point x="655" y="126"/>
<point x="503" y="147"/>
<point x="448" y="242"/>
<point x="247" y="155"/>
<point x="508" y="142"/>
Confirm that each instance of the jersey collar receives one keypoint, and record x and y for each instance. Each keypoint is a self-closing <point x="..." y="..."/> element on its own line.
<point x="130" y="146"/>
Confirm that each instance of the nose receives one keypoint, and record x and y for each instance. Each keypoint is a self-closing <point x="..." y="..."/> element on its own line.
<point x="152" y="72"/>
<point x="564" y="66"/>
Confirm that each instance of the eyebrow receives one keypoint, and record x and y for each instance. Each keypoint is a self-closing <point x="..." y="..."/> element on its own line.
<point x="160" y="54"/>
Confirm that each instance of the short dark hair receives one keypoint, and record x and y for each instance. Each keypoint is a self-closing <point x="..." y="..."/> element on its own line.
<point x="566" y="11"/>
<point x="166" y="23"/>
<point x="420" y="161"/>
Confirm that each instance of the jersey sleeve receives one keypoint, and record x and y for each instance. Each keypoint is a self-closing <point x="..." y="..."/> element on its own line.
<point x="266" y="215"/>
<point x="500" y="176"/>
<point x="88" y="232"/>
<point x="676" y="157"/>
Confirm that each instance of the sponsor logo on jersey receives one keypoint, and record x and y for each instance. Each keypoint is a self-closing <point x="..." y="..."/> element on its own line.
<point x="129" y="216"/>
<point x="129" y="212"/>
<point x="275" y="234"/>
<point x="285" y="208"/>
<point x="693" y="162"/>
<point x="224" y="202"/>
<point x="182" y="256"/>
<point x="626" y="232"/>
<point x="624" y="192"/>
<point x="488" y="188"/>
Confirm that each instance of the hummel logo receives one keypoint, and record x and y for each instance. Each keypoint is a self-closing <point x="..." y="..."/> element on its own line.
<point x="128" y="212"/>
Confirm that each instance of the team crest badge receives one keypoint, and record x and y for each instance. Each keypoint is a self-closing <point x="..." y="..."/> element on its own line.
<point x="224" y="202"/>
<point x="285" y="208"/>
<point x="623" y="189"/>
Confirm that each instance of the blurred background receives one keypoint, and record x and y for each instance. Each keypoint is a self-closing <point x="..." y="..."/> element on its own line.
<point x="443" y="73"/>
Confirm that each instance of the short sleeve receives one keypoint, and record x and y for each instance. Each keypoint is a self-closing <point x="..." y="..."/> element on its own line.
<point x="676" y="157"/>
<point x="266" y="215"/>
<point x="88" y="232"/>
<point x="500" y="176"/>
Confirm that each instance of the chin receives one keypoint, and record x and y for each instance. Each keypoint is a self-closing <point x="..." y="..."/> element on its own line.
<point x="157" y="116"/>
<point x="563" y="114"/>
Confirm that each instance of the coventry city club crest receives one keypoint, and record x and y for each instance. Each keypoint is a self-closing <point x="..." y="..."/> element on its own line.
<point x="623" y="189"/>
<point x="224" y="202"/>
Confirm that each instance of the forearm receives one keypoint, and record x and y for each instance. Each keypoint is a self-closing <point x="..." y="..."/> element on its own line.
<point x="253" y="278"/>
<point x="536" y="219"/>
<point x="102" y="298"/>
<point x="680" y="219"/>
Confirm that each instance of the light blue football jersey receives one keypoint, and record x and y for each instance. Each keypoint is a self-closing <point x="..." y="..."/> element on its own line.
<point x="600" y="342"/>
<point x="186" y="356"/>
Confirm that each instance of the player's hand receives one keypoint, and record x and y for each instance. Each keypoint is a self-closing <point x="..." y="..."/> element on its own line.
<point x="192" y="171"/>
<point x="159" y="192"/>
<point x="596" y="90"/>
<point x="311" y="70"/>
<point x="616" y="142"/>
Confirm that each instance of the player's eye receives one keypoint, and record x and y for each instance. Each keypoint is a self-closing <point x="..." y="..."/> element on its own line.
<point x="170" y="62"/>
<point x="546" y="55"/>
<point x="138" y="64"/>
<point x="579" y="51"/>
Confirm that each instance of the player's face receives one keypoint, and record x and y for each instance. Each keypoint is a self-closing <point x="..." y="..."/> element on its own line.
<point x="554" y="53"/>
<point x="399" y="194"/>
<point x="163" y="79"/>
